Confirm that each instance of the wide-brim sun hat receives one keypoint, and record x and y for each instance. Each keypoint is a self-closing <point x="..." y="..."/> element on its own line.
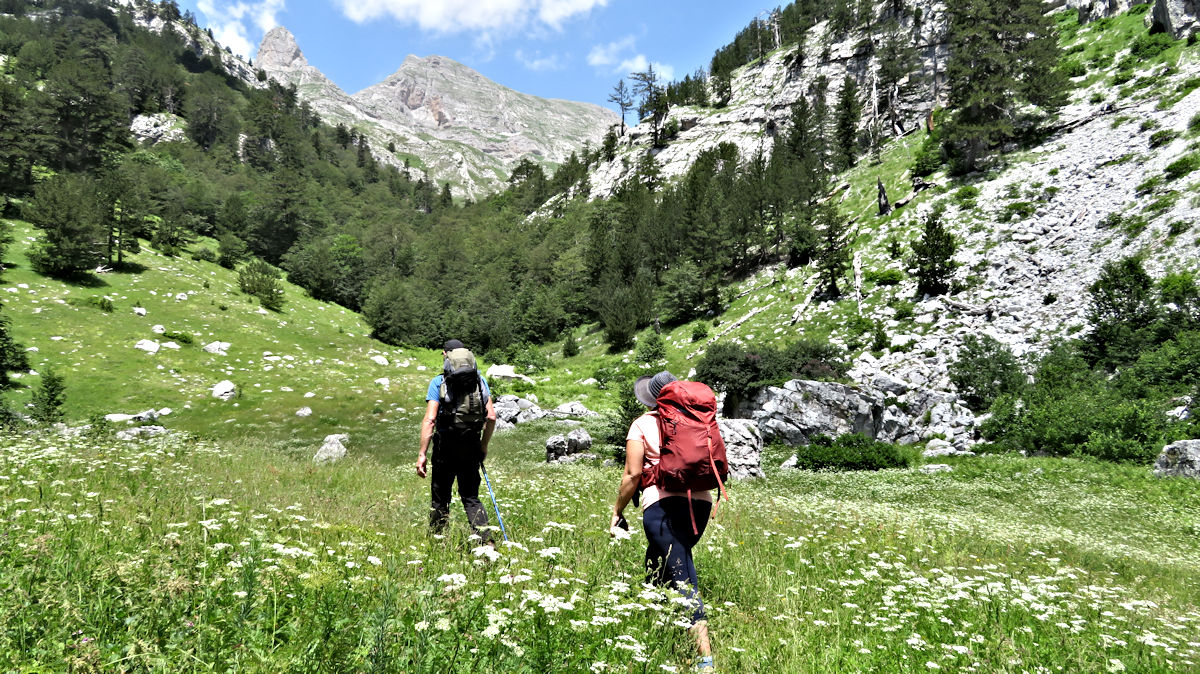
<point x="647" y="388"/>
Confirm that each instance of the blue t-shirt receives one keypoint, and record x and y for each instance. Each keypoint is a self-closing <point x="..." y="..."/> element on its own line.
<point x="436" y="384"/>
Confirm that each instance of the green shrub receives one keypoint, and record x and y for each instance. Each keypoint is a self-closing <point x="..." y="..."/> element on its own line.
<point x="102" y="303"/>
<point x="650" y="349"/>
<point x="852" y="452"/>
<point x="741" y="371"/>
<point x="260" y="279"/>
<point x="1018" y="210"/>
<point x="895" y="249"/>
<point x="570" y="347"/>
<point x="1073" y="68"/>
<point x="699" y="332"/>
<point x="904" y="309"/>
<point x="180" y="337"/>
<point x="1163" y="137"/>
<point x="1178" y="227"/>
<point x="884" y="277"/>
<point x="1194" y="123"/>
<point x="928" y="157"/>
<point x="49" y="397"/>
<point x="616" y="424"/>
<point x="1148" y="45"/>
<point x="985" y="370"/>
<point x="203" y="254"/>
<point x="1050" y="298"/>
<point x="1182" y="166"/>
<point x="527" y="358"/>
<point x="965" y="197"/>
<point x="680" y="293"/>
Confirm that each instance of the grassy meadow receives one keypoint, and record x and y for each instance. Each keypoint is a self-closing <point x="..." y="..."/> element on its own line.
<point x="178" y="554"/>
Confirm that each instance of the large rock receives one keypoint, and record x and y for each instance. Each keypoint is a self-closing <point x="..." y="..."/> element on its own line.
<point x="332" y="449"/>
<point x="225" y="390"/>
<point x="743" y="447"/>
<point x="506" y="373"/>
<point x="801" y="409"/>
<point x="147" y="345"/>
<point x="507" y="408"/>
<point x="568" y="448"/>
<point x="1180" y="18"/>
<point x="1179" y="459"/>
<point x="217" y="348"/>
<point x="574" y="409"/>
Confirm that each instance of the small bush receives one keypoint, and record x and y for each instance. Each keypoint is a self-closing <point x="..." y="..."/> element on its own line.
<point x="527" y="358"/>
<point x="102" y="303"/>
<point x="49" y="397"/>
<point x="204" y="255"/>
<point x="740" y="372"/>
<point x="985" y="370"/>
<point x="1182" y="166"/>
<point x="1018" y="210"/>
<point x="260" y="279"/>
<point x="650" y="349"/>
<point x="180" y="337"/>
<point x="1194" y="123"/>
<point x="885" y="277"/>
<point x="1072" y="68"/>
<point x="852" y="452"/>
<point x="904" y="310"/>
<point x="1163" y="137"/>
<point x="1178" y="227"/>
<point x="965" y="197"/>
<point x="928" y="157"/>
<point x="1049" y="299"/>
<point x="570" y="347"/>
<point x="699" y="332"/>
<point x="1148" y="45"/>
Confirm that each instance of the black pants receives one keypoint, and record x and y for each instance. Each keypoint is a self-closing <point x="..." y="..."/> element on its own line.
<point x="456" y="457"/>
<point x="668" y="526"/>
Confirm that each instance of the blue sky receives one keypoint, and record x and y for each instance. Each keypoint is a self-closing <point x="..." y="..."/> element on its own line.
<point x="571" y="49"/>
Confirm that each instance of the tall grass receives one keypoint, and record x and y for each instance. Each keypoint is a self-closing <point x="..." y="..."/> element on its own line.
<point x="177" y="554"/>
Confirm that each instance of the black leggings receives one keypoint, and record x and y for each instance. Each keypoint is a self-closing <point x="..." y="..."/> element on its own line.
<point x="456" y="457"/>
<point x="668" y="526"/>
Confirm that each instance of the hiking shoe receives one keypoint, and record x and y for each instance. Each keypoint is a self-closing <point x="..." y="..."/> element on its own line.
<point x="705" y="665"/>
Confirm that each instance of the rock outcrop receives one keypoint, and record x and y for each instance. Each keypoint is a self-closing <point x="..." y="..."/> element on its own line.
<point x="464" y="128"/>
<point x="332" y="449"/>
<point x="743" y="447"/>
<point x="1179" y="18"/>
<point x="570" y="448"/>
<point x="800" y="409"/>
<point x="1179" y="459"/>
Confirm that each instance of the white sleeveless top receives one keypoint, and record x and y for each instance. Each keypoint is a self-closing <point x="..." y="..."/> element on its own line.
<point x="645" y="430"/>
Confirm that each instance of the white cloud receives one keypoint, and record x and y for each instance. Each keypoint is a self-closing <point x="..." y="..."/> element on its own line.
<point x="229" y="20"/>
<point x="539" y="63"/>
<point x="608" y="54"/>
<point x="619" y="57"/>
<point x="482" y="16"/>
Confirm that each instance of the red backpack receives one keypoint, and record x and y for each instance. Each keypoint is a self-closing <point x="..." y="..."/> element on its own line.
<point x="692" y="451"/>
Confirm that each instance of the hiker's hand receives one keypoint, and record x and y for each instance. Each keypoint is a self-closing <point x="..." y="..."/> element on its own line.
<point x="421" y="466"/>
<point x="618" y="524"/>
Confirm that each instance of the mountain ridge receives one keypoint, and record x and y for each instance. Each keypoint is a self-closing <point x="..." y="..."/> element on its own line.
<point x="444" y="115"/>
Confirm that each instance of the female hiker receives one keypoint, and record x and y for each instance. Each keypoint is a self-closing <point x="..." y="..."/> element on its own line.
<point x="673" y="521"/>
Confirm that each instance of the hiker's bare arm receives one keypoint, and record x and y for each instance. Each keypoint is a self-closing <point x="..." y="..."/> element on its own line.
<point x="431" y="410"/>
<point x="488" y="426"/>
<point x="634" y="451"/>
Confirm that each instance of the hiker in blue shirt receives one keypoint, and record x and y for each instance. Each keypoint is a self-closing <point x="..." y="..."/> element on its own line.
<point x="459" y="420"/>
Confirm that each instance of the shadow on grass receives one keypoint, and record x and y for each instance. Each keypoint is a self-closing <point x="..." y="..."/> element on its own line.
<point x="128" y="267"/>
<point x="83" y="280"/>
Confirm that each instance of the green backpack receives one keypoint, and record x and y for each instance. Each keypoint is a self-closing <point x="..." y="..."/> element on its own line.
<point x="461" y="407"/>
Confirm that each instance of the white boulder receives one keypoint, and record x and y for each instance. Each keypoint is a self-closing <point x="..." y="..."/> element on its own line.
<point x="332" y="449"/>
<point x="147" y="345"/>
<point x="225" y="390"/>
<point x="304" y="412"/>
<point x="506" y="372"/>
<point x="217" y="348"/>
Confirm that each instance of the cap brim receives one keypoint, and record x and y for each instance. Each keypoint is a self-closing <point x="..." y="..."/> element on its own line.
<point x="641" y="390"/>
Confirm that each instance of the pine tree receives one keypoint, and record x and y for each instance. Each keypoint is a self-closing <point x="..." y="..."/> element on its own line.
<point x="73" y="218"/>
<point x="933" y="256"/>
<point x="849" y="111"/>
<point x="833" y="257"/>
<point x="12" y="354"/>
<point x="48" y="398"/>
<point x="621" y="98"/>
<point x="1002" y="54"/>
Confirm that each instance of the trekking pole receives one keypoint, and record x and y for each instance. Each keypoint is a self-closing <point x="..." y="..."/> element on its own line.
<point x="494" y="504"/>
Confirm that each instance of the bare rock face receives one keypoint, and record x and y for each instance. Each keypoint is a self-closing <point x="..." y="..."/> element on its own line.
<point x="1180" y="18"/>
<point x="743" y="447"/>
<point x="463" y="127"/>
<point x="1179" y="459"/>
<point x="332" y="449"/>
<point x="1090" y="10"/>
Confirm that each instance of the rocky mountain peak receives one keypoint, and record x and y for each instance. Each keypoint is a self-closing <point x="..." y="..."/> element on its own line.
<point x="279" y="51"/>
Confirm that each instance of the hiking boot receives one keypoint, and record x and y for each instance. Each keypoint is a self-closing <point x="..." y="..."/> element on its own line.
<point x="705" y="665"/>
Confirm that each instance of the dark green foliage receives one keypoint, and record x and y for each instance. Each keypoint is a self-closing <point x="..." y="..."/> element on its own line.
<point x="1001" y="55"/>
<point x="12" y="355"/>
<point x="1122" y="311"/>
<point x="833" y="253"/>
<point x="879" y="337"/>
<point x="985" y="370"/>
<point x="965" y="197"/>
<point x="933" y="256"/>
<point x="846" y="117"/>
<point x="204" y="254"/>
<point x="570" y="347"/>
<point x="261" y="280"/>
<point x="404" y="311"/>
<point x="650" y="349"/>
<point x="929" y="156"/>
<point x="49" y="397"/>
<point x="1182" y="166"/>
<point x="740" y="371"/>
<point x="1073" y="68"/>
<point x="68" y="210"/>
<point x="1163" y="137"/>
<point x="1148" y="45"/>
<point x="884" y="277"/>
<point x="852" y="452"/>
<point x="180" y="337"/>
<point x="102" y="303"/>
<point x="232" y="250"/>
<point x="699" y="332"/>
<point x="617" y="423"/>
<point x="680" y="293"/>
<point x="1194" y="124"/>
